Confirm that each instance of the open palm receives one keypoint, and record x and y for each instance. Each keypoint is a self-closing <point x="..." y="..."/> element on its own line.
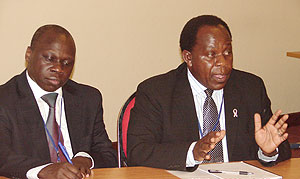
<point x="270" y="136"/>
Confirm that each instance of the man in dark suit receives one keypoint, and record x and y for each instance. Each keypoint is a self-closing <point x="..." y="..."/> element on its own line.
<point x="25" y="138"/>
<point x="168" y="124"/>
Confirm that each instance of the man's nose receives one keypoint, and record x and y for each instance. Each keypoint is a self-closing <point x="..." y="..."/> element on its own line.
<point x="57" y="67"/>
<point x="220" y="59"/>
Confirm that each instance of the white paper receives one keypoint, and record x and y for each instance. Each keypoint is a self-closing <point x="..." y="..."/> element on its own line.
<point x="202" y="172"/>
<point x="197" y="174"/>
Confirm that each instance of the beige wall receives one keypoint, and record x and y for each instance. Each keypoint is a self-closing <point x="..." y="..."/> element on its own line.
<point x="122" y="42"/>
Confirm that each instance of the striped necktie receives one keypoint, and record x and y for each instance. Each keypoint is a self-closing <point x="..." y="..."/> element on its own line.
<point x="53" y="129"/>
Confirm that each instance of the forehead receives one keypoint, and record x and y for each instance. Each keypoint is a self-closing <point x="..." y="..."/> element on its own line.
<point x="59" y="41"/>
<point x="208" y="33"/>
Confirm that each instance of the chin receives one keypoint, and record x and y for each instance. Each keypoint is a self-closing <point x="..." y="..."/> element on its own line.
<point x="51" y="89"/>
<point x="218" y="87"/>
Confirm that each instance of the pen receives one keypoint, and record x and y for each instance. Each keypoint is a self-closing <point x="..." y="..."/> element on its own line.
<point x="231" y="172"/>
<point x="63" y="149"/>
<point x="295" y="146"/>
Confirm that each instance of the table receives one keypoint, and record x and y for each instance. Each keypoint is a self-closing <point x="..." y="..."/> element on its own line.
<point x="131" y="172"/>
<point x="287" y="169"/>
<point x="293" y="54"/>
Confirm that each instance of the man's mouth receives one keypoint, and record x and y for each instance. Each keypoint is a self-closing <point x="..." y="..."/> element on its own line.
<point x="54" y="81"/>
<point x="220" y="77"/>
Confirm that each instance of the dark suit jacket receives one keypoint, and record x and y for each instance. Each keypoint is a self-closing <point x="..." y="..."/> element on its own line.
<point x="163" y="122"/>
<point x="23" y="142"/>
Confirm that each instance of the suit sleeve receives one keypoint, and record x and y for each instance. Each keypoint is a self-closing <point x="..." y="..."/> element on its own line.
<point x="14" y="164"/>
<point x="148" y="142"/>
<point x="266" y="113"/>
<point x="101" y="148"/>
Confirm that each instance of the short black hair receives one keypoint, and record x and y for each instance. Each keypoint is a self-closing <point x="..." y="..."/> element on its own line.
<point x="46" y="28"/>
<point x="190" y="30"/>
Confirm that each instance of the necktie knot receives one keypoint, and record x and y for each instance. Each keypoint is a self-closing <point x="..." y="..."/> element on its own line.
<point x="50" y="99"/>
<point x="208" y="92"/>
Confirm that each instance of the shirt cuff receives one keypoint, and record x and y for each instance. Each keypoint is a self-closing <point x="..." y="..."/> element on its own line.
<point x="190" y="161"/>
<point x="265" y="158"/>
<point x="84" y="154"/>
<point x="33" y="173"/>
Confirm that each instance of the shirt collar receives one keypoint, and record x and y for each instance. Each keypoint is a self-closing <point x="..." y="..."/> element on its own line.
<point x="197" y="87"/>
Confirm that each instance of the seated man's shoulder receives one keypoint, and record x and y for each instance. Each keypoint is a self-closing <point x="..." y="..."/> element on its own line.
<point x="244" y="76"/>
<point x="9" y="90"/>
<point x="165" y="79"/>
<point x="10" y="83"/>
<point x="82" y="89"/>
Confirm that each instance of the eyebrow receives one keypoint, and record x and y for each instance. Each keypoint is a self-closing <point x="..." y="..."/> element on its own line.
<point x="228" y="43"/>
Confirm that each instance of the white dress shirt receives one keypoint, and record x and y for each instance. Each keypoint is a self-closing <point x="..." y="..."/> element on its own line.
<point x="199" y="99"/>
<point x="60" y="119"/>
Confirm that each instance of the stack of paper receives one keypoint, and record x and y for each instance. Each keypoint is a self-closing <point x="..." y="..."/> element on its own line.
<point x="227" y="170"/>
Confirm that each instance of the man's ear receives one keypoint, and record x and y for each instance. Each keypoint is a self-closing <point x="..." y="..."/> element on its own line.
<point x="28" y="54"/>
<point x="187" y="57"/>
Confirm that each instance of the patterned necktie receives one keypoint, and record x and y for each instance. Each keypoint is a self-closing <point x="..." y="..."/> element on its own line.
<point x="210" y="118"/>
<point x="53" y="128"/>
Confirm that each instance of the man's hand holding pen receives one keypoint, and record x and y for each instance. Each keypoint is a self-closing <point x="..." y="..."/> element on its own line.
<point x="79" y="169"/>
<point x="83" y="164"/>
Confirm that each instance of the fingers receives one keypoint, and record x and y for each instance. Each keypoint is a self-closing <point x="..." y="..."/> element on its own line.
<point x="85" y="171"/>
<point x="283" y="128"/>
<point x="216" y="136"/>
<point x="273" y="133"/>
<point x="281" y="121"/>
<point x="73" y="171"/>
<point x="284" y="137"/>
<point x="274" y="118"/>
<point x="206" y="144"/>
<point x="212" y="138"/>
<point x="200" y="155"/>
<point x="222" y="134"/>
<point x="273" y="121"/>
<point x="281" y="124"/>
<point x="257" y="122"/>
<point x="282" y="132"/>
<point x="60" y="170"/>
<point x="83" y="164"/>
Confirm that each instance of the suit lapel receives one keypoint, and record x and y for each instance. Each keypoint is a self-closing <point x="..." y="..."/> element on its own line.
<point x="73" y="115"/>
<point x="233" y="111"/>
<point x="184" y="105"/>
<point x="29" y="112"/>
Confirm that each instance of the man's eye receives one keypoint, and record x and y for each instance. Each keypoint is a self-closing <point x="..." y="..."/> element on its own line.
<point x="48" y="58"/>
<point x="227" y="52"/>
<point x="211" y="55"/>
<point x="67" y="62"/>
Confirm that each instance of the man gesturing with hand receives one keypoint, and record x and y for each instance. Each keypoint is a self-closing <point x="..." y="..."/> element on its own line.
<point x="204" y="110"/>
